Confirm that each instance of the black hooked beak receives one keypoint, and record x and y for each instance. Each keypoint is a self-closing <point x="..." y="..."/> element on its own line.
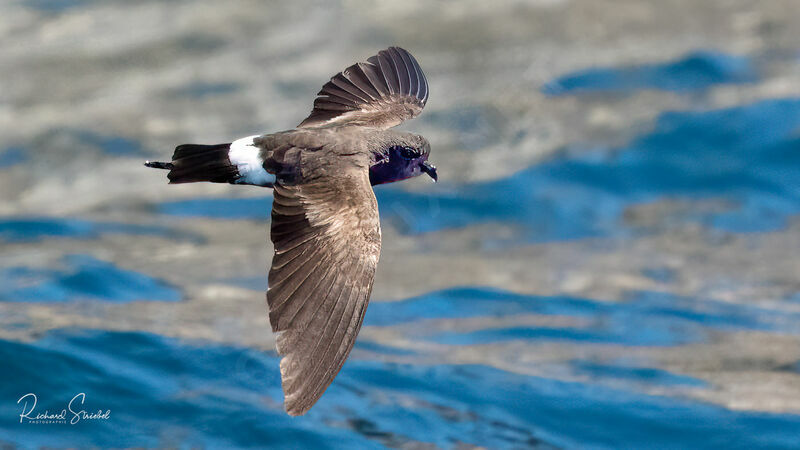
<point x="430" y="169"/>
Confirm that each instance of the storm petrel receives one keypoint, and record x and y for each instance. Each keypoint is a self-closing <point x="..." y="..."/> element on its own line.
<point x="325" y="224"/>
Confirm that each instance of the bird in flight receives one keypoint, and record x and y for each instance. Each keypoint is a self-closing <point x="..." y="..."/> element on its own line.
<point x="325" y="225"/>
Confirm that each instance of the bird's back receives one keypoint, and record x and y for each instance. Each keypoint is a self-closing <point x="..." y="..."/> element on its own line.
<point x="300" y="155"/>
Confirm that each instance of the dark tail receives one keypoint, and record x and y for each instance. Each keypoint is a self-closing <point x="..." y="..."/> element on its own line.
<point x="158" y="165"/>
<point x="194" y="162"/>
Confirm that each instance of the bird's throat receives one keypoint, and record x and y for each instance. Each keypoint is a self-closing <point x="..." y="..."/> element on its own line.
<point x="388" y="173"/>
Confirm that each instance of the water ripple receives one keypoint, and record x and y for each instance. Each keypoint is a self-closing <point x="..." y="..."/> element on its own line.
<point x="646" y="318"/>
<point x="696" y="71"/>
<point x="33" y="229"/>
<point x="744" y="156"/>
<point x="164" y="392"/>
<point x="81" y="277"/>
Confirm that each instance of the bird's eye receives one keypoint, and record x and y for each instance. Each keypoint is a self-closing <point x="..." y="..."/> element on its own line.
<point x="408" y="152"/>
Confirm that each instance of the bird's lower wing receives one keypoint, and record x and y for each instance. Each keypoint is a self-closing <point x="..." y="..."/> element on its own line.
<point x="327" y="243"/>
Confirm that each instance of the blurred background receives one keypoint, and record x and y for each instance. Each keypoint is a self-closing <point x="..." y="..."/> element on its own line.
<point x="609" y="260"/>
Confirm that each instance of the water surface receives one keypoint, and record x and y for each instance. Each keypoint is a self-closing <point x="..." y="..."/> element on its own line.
<point x="163" y="392"/>
<point x="625" y="279"/>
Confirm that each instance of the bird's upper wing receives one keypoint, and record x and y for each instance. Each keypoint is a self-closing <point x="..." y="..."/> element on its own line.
<point x="326" y="233"/>
<point x="383" y="92"/>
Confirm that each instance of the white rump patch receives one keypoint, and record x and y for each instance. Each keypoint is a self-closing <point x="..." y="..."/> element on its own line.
<point x="245" y="156"/>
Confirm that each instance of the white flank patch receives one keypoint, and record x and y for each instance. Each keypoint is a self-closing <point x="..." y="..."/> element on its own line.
<point x="245" y="156"/>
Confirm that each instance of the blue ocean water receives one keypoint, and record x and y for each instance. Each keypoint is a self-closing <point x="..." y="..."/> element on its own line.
<point x="201" y="89"/>
<point x="36" y="229"/>
<point x="695" y="71"/>
<point x="12" y="156"/>
<point x="636" y="374"/>
<point x="55" y="6"/>
<point x="163" y="392"/>
<point x="166" y="392"/>
<point x="220" y="208"/>
<point x="647" y="318"/>
<point x="81" y="277"/>
<point x="745" y="156"/>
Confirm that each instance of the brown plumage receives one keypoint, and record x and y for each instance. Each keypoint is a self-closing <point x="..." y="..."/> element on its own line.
<point x="381" y="93"/>
<point x="325" y="225"/>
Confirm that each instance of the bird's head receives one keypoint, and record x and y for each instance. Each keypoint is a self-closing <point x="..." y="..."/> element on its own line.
<point x="402" y="156"/>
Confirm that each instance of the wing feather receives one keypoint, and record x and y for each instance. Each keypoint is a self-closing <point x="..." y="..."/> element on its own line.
<point x="314" y="358"/>
<point x="346" y="85"/>
<point x="382" y="92"/>
<point x="302" y="313"/>
<point x="309" y="257"/>
<point x="333" y="340"/>
<point x="357" y="76"/>
<point x="387" y="71"/>
<point x="341" y="96"/>
<point x="413" y="80"/>
<point x="289" y="311"/>
<point x="376" y="79"/>
<point x="321" y="277"/>
<point x="285" y="289"/>
<point x="400" y="69"/>
<point x="422" y="92"/>
<point x="333" y="105"/>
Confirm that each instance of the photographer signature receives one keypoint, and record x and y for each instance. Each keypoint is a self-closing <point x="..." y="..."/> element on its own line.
<point x="69" y="413"/>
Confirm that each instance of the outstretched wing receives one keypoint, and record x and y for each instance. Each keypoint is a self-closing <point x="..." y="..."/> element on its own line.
<point x="327" y="243"/>
<point x="383" y="92"/>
